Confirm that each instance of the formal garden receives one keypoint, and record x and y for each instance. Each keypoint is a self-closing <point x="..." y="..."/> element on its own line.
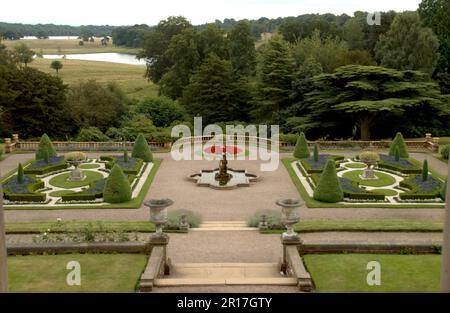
<point x="370" y="179"/>
<point x="73" y="180"/>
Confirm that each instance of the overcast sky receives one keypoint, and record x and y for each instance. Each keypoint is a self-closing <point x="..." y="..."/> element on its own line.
<point x="129" y="12"/>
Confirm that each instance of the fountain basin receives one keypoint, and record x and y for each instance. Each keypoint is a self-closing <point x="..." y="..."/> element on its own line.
<point x="239" y="178"/>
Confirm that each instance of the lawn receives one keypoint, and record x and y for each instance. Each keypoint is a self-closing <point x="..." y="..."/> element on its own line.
<point x="99" y="272"/>
<point x="399" y="273"/>
<point x="71" y="46"/>
<point x="62" y="182"/>
<point x="129" y="77"/>
<point x="381" y="181"/>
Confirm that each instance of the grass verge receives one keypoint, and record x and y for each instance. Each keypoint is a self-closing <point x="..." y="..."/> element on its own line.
<point x="99" y="272"/>
<point x="399" y="273"/>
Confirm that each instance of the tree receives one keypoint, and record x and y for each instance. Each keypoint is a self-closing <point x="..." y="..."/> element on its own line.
<point x="117" y="188"/>
<point x="397" y="154"/>
<point x="161" y="110"/>
<point x="301" y="149"/>
<point x="20" y="175"/>
<point x="436" y="15"/>
<point x="398" y="144"/>
<point x="156" y="43"/>
<point x="23" y="54"/>
<point x="329" y="188"/>
<point x="425" y="170"/>
<point x="96" y="105"/>
<point x="274" y="80"/>
<point x="36" y="103"/>
<point x="141" y="149"/>
<point x="45" y="147"/>
<point x="365" y="93"/>
<point x="125" y="156"/>
<point x="56" y="65"/>
<point x="211" y="93"/>
<point x="139" y="124"/>
<point x="242" y="50"/>
<point x="3" y="252"/>
<point x="91" y="134"/>
<point x="408" y="45"/>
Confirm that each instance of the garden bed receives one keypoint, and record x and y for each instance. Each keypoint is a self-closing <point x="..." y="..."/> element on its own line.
<point x="421" y="190"/>
<point x="25" y="191"/>
<point x="404" y="166"/>
<point x="312" y="166"/>
<point x="132" y="166"/>
<point x="42" y="167"/>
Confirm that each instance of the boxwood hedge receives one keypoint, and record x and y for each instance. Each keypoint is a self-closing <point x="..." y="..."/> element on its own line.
<point x="132" y="166"/>
<point x="41" y="167"/>
<point x="25" y="191"/>
<point x="421" y="190"/>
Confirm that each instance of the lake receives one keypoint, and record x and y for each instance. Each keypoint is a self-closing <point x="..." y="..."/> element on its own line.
<point x="122" y="58"/>
<point x="53" y="37"/>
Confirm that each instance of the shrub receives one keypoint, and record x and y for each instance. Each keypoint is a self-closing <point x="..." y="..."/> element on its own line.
<point x="42" y="167"/>
<point x="132" y="166"/>
<point x="75" y="156"/>
<point x="141" y="149"/>
<point x="399" y="143"/>
<point x="312" y="166"/>
<point x="289" y="138"/>
<point x="429" y="189"/>
<point x="316" y="153"/>
<point x="117" y="188"/>
<point x="329" y="188"/>
<point x="20" y="174"/>
<point x="45" y="147"/>
<point x="301" y="150"/>
<point x="24" y="191"/>
<point x="91" y="134"/>
<point x="161" y="110"/>
<point x="125" y="156"/>
<point x="174" y="218"/>
<point x="425" y="170"/>
<point x="369" y="157"/>
<point x="273" y="219"/>
<point x="445" y="151"/>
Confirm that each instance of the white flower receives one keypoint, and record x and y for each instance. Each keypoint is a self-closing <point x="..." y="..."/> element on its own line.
<point x="45" y="234"/>
<point x="59" y="219"/>
<point x="48" y="230"/>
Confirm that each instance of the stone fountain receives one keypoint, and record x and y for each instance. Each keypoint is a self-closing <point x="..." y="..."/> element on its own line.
<point x="370" y="159"/>
<point x="223" y="177"/>
<point x="158" y="216"/>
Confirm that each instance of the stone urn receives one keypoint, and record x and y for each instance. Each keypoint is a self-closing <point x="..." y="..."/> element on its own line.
<point x="75" y="159"/>
<point x="370" y="159"/>
<point x="158" y="215"/>
<point x="289" y="217"/>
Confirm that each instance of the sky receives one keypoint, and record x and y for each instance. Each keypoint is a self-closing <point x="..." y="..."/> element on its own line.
<point x="130" y="12"/>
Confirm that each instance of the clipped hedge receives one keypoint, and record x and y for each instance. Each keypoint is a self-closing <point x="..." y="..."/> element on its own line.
<point x="132" y="167"/>
<point x="45" y="147"/>
<point x="301" y="149"/>
<point x="421" y="190"/>
<point x="27" y="192"/>
<point x="141" y="149"/>
<point x="312" y="166"/>
<point x="403" y="165"/>
<point x="94" y="191"/>
<point x="41" y="167"/>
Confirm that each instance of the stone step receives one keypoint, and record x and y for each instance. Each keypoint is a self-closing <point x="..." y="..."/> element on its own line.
<point x="185" y="282"/>
<point x="221" y="274"/>
<point x="224" y="226"/>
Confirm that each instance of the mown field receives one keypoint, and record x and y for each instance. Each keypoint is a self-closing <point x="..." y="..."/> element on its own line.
<point x="70" y="46"/>
<point x="129" y="77"/>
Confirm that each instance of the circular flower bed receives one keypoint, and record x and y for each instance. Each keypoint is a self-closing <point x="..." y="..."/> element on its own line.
<point x="225" y="149"/>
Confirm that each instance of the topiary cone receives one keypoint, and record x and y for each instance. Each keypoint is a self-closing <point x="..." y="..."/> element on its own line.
<point x="141" y="149"/>
<point x="45" y="144"/>
<point x="425" y="170"/>
<point x="117" y="188"/>
<point x="399" y="143"/>
<point x="316" y="153"/>
<point x="329" y="188"/>
<point x="301" y="150"/>
<point x="20" y="175"/>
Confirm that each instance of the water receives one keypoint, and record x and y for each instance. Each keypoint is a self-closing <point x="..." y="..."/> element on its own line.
<point x="53" y="37"/>
<point x="122" y="58"/>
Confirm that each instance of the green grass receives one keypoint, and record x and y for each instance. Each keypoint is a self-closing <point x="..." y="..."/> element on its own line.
<point x="89" y="166"/>
<point x="382" y="179"/>
<point x="71" y="46"/>
<point x="355" y="165"/>
<point x="129" y="77"/>
<point x="399" y="273"/>
<point x="61" y="180"/>
<point x="99" y="272"/>
<point x="132" y="204"/>
<point x="60" y="193"/>
<point x="311" y="203"/>
<point x="386" y="192"/>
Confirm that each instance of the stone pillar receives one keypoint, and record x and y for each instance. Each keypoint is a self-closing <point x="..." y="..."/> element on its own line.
<point x="3" y="252"/>
<point x="428" y="137"/>
<point x="445" y="270"/>
<point x="8" y="146"/>
<point x="15" y="138"/>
